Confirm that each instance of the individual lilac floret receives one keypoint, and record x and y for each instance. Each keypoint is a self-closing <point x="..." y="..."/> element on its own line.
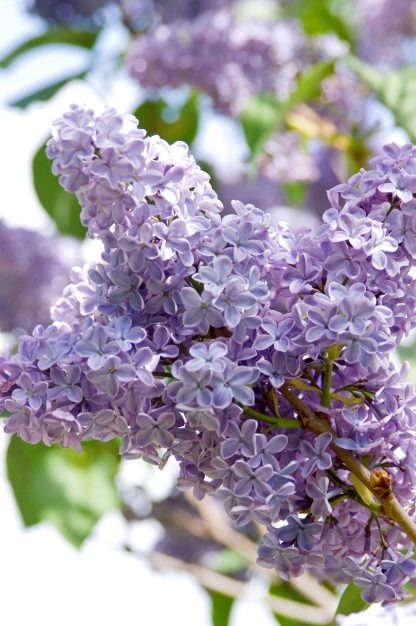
<point x="34" y="394"/>
<point x="109" y="376"/>
<point x="97" y="348"/>
<point x="318" y="458"/>
<point x="194" y="387"/>
<point x="156" y="429"/>
<point x="249" y="480"/>
<point x="239" y="439"/>
<point x="286" y="560"/>
<point x="321" y="506"/>
<point x="376" y="589"/>
<point x="302" y="532"/>
<point x="200" y="311"/>
<point x="233" y="382"/>
<point x="207" y="355"/>
<point x="126" y="334"/>
<point x="66" y="384"/>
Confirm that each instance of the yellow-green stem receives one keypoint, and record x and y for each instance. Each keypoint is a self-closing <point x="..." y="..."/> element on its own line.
<point x="391" y="507"/>
<point x="279" y="422"/>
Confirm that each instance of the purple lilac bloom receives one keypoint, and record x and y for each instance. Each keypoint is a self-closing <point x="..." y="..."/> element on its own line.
<point x="32" y="275"/>
<point x="235" y="59"/>
<point x="184" y="337"/>
<point x="66" y="11"/>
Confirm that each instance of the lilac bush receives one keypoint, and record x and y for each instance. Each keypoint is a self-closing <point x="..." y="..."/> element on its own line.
<point x="230" y="60"/>
<point x="66" y="11"/>
<point x="258" y="356"/>
<point x="32" y="274"/>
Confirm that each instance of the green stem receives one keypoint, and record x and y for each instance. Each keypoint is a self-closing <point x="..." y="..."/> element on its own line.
<point x="162" y="375"/>
<point x="383" y="541"/>
<point x="326" y="389"/>
<point x="310" y="420"/>
<point x="279" y="422"/>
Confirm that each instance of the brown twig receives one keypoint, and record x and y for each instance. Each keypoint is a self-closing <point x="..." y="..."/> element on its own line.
<point x="320" y="616"/>
<point x="373" y="481"/>
<point x="219" y="528"/>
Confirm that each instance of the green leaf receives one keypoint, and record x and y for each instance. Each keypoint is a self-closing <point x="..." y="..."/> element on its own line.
<point x="286" y="591"/>
<point x="66" y="36"/>
<point x="324" y="16"/>
<point x="221" y="606"/>
<point x="63" y="207"/>
<point x="171" y="123"/>
<point x="350" y="602"/>
<point x="295" y="192"/>
<point x="261" y="117"/>
<point x="226" y="561"/>
<point x="72" y="490"/>
<point x="396" y="90"/>
<point x="45" y="93"/>
<point x="265" y="114"/>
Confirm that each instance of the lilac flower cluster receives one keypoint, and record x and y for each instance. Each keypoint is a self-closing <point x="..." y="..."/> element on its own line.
<point x="142" y="14"/>
<point x="66" y="11"/>
<point x="195" y="332"/>
<point x="395" y="22"/>
<point x="32" y="275"/>
<point x="286" y="160"/>
<point x="230" y="60"/>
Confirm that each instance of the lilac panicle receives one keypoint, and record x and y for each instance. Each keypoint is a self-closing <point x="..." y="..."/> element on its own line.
<point x="32" y="275"/>
<point x="179" y="340"/>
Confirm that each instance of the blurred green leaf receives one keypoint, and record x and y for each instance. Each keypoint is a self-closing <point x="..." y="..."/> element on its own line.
<point x="350" y="602"/>
<point x="221" y="606"/>
<point x="171" y="123"/>
<point x="295" y="192"/>
<point x="323" y="16"/>
<point x="45" y="93"/>
<point x="226" y="561"/>
<point x="396" y="90"/>
<point x="63" y="207"/>
<point x="83" y="39"/>
<point x="72" y="490"/>
<point x="4" y="414"/>
<point x="209" y="169"/>
<point x="286" y="591"/>
<point x="265" y="114"/>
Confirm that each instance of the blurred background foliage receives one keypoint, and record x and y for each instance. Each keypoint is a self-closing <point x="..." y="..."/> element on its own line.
<point x="346" y="85"/>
